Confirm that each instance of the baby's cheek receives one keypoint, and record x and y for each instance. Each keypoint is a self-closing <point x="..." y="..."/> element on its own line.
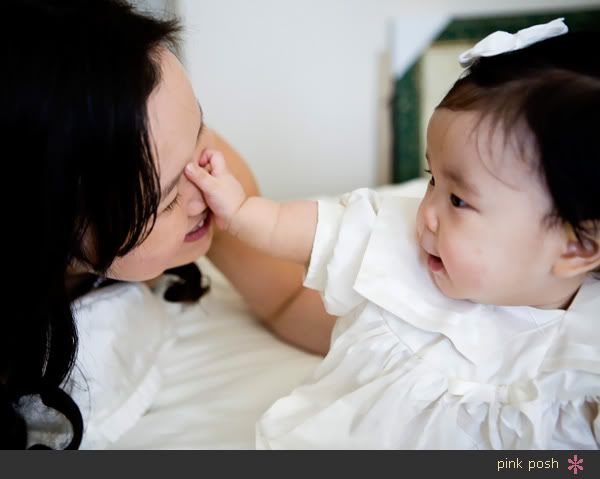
<point x="468" y="268"/>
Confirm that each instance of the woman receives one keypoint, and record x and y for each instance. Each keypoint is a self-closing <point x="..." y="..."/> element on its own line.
<point x="104" y="120"/>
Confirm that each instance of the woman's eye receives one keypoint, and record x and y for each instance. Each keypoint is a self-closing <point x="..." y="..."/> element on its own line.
<point x="456" y="201"/>
<point x="432" y="179"/>
<point x="173" y="204"/>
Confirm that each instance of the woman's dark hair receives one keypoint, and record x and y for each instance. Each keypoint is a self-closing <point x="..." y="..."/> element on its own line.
<point x="77" y="77"/>
<point x="553" y="89"/>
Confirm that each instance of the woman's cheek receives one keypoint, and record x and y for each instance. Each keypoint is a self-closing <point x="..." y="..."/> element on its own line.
<point x="151" y="258"/>
<point x="163" y="244"/>
<point x="140" y="264"/>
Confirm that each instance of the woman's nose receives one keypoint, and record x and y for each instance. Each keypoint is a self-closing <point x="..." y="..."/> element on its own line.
<point x="195" y="203"/>
<point x="195" y="207"/>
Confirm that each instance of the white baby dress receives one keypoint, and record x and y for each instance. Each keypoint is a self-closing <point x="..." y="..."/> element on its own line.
<point x="412" y="369"/>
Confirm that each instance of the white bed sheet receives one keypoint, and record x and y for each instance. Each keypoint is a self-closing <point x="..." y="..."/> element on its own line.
<point x="224" y="370"/>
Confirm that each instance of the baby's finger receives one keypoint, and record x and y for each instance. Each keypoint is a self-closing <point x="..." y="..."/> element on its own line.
<point x="199" y="176"/>
<point x="214" y="161"/>
<point x="205" y="157"/>
<point x="218" y="165"/>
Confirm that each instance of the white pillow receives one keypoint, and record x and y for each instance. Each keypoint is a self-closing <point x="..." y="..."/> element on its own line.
<point x="123" y="331"/>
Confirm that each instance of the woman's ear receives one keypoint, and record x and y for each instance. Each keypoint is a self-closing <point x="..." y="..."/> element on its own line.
<point x="579" y="256"/>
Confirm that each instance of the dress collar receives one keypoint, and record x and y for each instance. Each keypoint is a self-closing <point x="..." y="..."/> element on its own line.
<point x="393" y="277"/>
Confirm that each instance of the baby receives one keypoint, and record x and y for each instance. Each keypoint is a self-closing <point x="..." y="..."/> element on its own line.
<point x="470" y="319"/>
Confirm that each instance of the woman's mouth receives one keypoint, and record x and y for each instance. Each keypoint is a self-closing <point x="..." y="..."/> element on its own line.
<point x="434" y="263"/>
<point x="199" y="230"/>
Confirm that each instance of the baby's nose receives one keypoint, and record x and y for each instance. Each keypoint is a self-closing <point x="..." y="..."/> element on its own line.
<point x="431" y="220"/>
<point x="427" y="219"/>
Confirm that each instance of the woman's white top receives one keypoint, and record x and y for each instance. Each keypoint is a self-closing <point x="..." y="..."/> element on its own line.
<point x="410" y="368"/>
<point x="124" y="331"/>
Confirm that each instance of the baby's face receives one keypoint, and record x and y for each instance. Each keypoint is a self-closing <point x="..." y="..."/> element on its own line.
<point x="482" y="225"/>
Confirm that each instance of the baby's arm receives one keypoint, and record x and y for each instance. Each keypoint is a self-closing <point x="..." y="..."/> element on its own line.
<point x="285" y="230"/>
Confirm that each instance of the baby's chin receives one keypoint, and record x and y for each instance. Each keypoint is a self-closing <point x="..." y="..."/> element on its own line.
<point x="446" y="287"/>
<point x="441" y="277"/>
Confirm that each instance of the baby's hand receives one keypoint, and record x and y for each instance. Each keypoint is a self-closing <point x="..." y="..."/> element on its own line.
<point x="223" y="193"/>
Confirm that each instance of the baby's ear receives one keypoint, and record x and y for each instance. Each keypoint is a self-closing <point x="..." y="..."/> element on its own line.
<point x="580" y="255"/>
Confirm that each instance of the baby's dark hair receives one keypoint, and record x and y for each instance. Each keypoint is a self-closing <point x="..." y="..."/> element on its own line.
<point x="553" y="89"/>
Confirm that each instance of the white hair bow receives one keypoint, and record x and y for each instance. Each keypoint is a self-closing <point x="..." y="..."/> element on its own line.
<point x="502" y="42"/>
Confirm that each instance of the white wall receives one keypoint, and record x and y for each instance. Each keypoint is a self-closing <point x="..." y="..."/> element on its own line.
<point x="300" y="87"/>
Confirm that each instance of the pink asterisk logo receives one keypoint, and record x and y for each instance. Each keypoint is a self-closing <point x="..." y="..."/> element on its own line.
<point x="575" y="464"/>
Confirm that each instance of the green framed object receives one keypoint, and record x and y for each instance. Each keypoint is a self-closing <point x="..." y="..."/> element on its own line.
<point x="405" y="103"/>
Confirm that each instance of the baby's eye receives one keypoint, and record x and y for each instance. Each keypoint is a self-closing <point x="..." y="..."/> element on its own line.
<point x="456" y="201"/>
<point x="432" y="179"/>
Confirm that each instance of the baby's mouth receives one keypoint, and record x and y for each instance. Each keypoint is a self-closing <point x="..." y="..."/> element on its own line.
<point x="434" y="263"/>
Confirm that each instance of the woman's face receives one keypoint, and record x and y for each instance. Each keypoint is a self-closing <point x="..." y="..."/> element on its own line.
<point x="183" y="230"/>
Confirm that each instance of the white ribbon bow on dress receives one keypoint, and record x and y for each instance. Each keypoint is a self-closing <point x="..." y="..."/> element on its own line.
<point x="502" y="42"/>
